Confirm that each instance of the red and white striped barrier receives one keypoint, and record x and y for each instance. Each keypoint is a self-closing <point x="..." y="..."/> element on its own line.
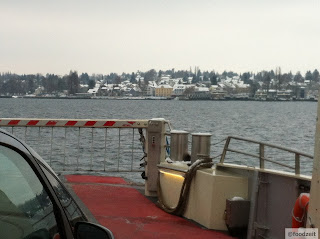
<point x="86" y="123"/>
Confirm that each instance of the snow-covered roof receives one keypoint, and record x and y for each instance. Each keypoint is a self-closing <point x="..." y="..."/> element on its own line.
<point x="179" y="86"/>
<point x="93" y="91"/>
<point x="152" y="83"/>
<point x="164" y="86"/>
<point x="202" y="89"/>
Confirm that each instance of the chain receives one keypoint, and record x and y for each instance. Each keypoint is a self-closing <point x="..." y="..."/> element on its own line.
<point x="219" y="142"/>
<point x="142" y="140"/>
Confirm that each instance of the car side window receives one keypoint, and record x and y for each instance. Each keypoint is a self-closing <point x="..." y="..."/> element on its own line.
<point x="26" y="211"/>
<point x="72" y="210"/>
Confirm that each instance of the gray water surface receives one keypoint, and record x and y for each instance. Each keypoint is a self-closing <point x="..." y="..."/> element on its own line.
<point x="289" y="124"/>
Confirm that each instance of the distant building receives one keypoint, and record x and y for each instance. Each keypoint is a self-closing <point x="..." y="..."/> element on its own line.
<point x="151" y="88"/>
<point x="284" y="94"/>
<point x="93" y="92"/>
<point x="200" y="93"/>
<point x="164" y="90"/>
<point x="39" y="90"/>
<point x="179" y="90"/>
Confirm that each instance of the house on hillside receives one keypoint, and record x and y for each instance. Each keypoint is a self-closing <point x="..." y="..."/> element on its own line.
<point x="93" y="92"/>
<point x="178" y="90"/>
<point x="151" y="88"/>
<point x="163" y="91"/>
<point x="200" y="93"/>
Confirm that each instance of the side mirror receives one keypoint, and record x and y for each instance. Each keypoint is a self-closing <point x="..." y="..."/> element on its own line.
<point x="87" y="230"/>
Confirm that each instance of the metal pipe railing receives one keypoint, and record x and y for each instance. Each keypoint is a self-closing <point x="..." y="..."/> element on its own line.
<point x="83" y="123"/>
<point x="62" y="139"/>
<point x="261" y="155"/>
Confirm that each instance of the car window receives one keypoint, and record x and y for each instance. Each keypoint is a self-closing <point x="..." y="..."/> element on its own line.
<point x="72" y="210"/>
<point x="26" y="211"/>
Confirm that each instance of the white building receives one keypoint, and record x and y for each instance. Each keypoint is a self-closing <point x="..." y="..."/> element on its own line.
<point x="179" y="89"/>
<point x="151" y="88"/>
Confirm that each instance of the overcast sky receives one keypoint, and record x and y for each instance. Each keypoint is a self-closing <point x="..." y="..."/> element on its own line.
<point x="128" y="35"/>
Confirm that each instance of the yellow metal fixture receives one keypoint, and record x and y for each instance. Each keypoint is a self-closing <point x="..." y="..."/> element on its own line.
<point x="171" y="174"/>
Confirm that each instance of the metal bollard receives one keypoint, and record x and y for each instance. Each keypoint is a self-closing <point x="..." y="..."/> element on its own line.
<point x="200" y="145"/>
<point x="178" y="144"/>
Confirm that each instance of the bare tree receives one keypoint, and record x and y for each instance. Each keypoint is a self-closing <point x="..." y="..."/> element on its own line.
<point x="278" y="77"/>
<point x="73" y="83"/>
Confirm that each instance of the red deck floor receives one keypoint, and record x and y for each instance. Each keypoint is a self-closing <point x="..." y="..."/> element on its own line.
<point x="128" y="214"/>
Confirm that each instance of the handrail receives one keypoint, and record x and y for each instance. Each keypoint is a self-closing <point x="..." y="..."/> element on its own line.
<point x="80" y="129"/>
<point x="79" y="123"/>
<point x="261" y="155"/>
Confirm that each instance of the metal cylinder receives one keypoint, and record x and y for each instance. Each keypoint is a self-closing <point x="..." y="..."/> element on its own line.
<point x="200" y="145"/>
<point x="178" y="144"/>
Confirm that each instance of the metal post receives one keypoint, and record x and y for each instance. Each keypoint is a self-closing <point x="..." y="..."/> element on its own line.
<point x="78" y="156"/>
<point x="297" y="163"/>
<point x="39" y="136"/>
<point x="25" y="134"/>
<point x="105" y="149"/>
<point x="119" y="150"/>
<point x="132" y="149"/>
<point x="51" y="142"/>
<point x="261" y="155"/>
<point x="225" y="149"/>
<point x="91" y="149"/>
<point x="64" y="149"/>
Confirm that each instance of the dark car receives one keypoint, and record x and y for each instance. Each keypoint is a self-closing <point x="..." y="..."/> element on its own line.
<point x="34" y="204"/>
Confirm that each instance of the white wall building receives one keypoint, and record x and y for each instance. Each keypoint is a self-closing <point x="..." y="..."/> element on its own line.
<point x="151" y="88"/>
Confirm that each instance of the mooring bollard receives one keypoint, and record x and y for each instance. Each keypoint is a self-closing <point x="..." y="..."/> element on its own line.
<point x="200" y="145"/>
<point x="178" y="144"/>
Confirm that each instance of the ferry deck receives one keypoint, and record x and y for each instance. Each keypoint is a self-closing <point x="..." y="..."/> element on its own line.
<point x="122" y="207"/>
<point x="131" y="210"/>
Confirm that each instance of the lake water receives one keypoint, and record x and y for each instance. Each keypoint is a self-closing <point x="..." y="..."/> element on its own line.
<point x="289" y="124"/>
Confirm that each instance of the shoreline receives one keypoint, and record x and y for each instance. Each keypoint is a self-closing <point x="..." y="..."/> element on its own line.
<point x="153" y="98"/>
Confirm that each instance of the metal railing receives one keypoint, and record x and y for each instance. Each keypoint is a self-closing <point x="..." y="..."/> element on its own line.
<point x="261" y="155"/>
<point x="85" y="145"/>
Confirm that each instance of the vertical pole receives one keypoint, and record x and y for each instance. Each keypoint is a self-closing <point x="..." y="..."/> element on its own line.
<point x="78" y="156"/>
<point x="64" y="149"/>
<point x="105" y="149"/>
<point x="25" y="134"/>
<point x="261" y="155"/>
<point x="226" y="145"/>
<point x="132" y="150"/>
<point x="119" y="150"/>
<point x="39" y="138"/>
<point x="51" y="139"/>
<point x="297" y="163"/>
<point x="91" y="149"/>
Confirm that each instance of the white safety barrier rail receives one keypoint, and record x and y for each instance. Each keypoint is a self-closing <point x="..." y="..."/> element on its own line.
<point x="261" y="155"/>
<point x="80" y="144"/>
